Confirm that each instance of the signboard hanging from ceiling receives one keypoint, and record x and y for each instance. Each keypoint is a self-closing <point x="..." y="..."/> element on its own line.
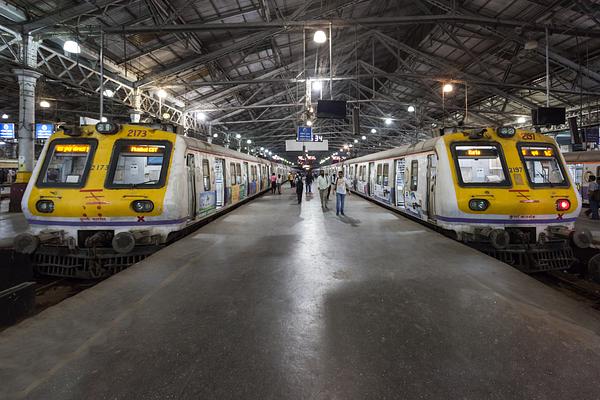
<point x="304" y="134"/>
<point x="292" y="145"/>
<point x="7" y="131"/>
<point x="43" y="131"/>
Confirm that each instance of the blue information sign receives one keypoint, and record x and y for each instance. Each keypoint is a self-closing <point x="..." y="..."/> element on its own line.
<point x="7" y="131"/>
<point x="43" y="131"/>
<point x="304" y="134"/>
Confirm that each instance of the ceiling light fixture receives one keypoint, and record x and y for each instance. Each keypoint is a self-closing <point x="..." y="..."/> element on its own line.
<point x="4" y="116"/>
<point x="202" y="116"/>
<point x="411" y="109"/>
<point x="44" y="104"/>
<point x="162" y="93"/>
<point x="238" y="136"/>
<point x="108" y="93"/>
<point x="309" y="123"/>
<point x="248" y="141"/>
<point x="71" y="46"/>
<point x="316" y="86"/>
<point x="320" y="37"/>
<point x="373" y="130"/>
<point x="521" y="120"/>
<point x="388" y="121"/>
<point x="363" y="137"/>
<point x="448" y="88"/>
<point x="215" y="135"/>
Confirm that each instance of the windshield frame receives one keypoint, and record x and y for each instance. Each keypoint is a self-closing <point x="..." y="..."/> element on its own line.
<point x="93" y="143"/>
<point x="114" y="158"/>
<point x="506" y="183"/>
<point x="566" y="179"/>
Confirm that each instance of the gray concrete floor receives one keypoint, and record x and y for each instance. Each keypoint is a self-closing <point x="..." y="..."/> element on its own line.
<point x="11" y="224"/>
<point x="280" y="301"/>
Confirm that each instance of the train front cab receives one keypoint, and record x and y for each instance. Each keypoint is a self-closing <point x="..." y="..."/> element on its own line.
<point x="514" y="198"/>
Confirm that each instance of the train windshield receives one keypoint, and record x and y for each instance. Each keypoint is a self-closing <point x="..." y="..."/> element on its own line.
<point x="542" y="165"/>
<point x="480" y="165"/>
<point x="139" y="164"/>
<point x="67" y="163"/>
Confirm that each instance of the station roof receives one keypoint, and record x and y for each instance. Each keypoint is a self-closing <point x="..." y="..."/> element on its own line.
<point x="240" y="66"/>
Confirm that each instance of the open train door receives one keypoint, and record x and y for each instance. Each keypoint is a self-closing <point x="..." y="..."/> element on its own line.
<point x="431" y="178"/>
<point x="400" y="167"/>
<point x="190" y="162"/>
<point x="220" y="181"/>
<point x="371" y="179"/>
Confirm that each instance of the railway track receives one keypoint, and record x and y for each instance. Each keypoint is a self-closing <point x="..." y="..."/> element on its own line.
<point x="573" y="286"/>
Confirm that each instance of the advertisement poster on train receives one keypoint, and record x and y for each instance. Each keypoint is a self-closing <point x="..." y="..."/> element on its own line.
<point x="208" y="202"/>
<point x="235" y="193"/>
<point x="219" y="182"/>
<point x="400" y="166"/>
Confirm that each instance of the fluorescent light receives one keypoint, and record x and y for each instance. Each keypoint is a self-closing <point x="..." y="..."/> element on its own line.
<point x="238" y="136"/>
<point x="411" y="109"/>
<point x="44" y="104"/>
<point x="373" y="130"/>
<point x="309" y="122"/>
<point x="320" y="37"/>
<point x="262" y="148"/>
<point x="166" y="115"/>
<point x="4" y="116"/>
<point x="162" y="93"/>
<point x="316" y="85"/>
<point x="350" y="145"/>
<point x="364" y="137"/>
<point x="72" y="46"/>
<point x="355" y="140"/>
<point x="520" y="120"/>
<point x="108" y="93"/>
<point x="448" y="88"/>
<point x="388" y="121"/>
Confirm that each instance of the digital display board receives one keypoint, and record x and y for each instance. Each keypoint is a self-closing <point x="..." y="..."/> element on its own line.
<point x="43" y="131"/>
<point x="534" y="152"/>
<point x="477" y="152"/>
<point x="72" y="148"/>
<point x="7" y="131"/>
<point x="145" y="149"/>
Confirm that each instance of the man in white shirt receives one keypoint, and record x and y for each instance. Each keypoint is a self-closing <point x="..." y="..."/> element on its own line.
<point x="322" y="185"/>
<point x="341" y="189"/>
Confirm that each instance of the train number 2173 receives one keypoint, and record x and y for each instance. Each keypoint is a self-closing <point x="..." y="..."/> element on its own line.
<point x="137" y="133"/>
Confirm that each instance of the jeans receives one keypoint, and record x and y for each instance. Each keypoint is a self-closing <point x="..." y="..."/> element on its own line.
<point x="339" y="203"/>
<point x="594" y="208"/>
<point x="323" y="195"/>
<point x="299" y="194"/>
<point x="309" y="187"/>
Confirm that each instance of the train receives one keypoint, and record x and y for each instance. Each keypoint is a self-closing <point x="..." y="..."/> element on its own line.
<point x="105" y="196"/>
<point x="504" y="191"/>
<point x="581" y="165"/>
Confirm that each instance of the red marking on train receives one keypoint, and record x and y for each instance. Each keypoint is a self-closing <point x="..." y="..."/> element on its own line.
<point x="559" y="216"/>
<point x="140" y="218"/>
<point x="91" y="190"/>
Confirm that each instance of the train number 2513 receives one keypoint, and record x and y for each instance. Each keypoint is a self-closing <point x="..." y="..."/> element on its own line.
<point x="137" y="133"/>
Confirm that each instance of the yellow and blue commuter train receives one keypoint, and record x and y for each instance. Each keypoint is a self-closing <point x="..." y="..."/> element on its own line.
<point x="103" y="197"/>
<point x="504" y="191"/>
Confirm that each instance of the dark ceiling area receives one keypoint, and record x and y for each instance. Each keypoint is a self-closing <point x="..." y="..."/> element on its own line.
<point x="242" y="70"/>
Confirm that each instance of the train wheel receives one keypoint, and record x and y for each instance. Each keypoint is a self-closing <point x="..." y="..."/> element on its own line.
<point x="594" y="268"/>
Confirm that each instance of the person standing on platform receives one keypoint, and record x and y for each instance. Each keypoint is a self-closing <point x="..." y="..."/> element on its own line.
<point x="331" y="185"/>
<point x="593" y="196"/>
<point x="279" y="183"/>
<point x="299" y="187"/>
<point x="291" y="179"/>
<point x="273" y="183"/>
<point x="341" y="189"/>
<point x="323" y="185"/>
<point x="309" y="181"/>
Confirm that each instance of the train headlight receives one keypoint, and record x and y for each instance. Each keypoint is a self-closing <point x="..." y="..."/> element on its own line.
<point x="142" y="206"/>
<point x="506" y="132"/>
<point x="45" y="206"/>
<point x="107" y="128"/>
<point x="478" y="204"/>
<point x="562" y="205"/>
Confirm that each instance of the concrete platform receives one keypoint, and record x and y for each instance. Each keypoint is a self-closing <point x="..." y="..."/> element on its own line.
<point x="277" y="301"/>
<point x="11" y="224"/>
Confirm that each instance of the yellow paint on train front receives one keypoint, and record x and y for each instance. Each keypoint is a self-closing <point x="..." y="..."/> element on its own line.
<point x="93" y="201"/>
<point x="521" y="199"/>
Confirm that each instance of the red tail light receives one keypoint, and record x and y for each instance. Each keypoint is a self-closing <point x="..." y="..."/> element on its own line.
<point x="563" y="205"/>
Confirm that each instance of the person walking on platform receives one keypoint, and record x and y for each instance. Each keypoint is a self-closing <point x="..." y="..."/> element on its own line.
<point x="593" y="196"/>
<point x="291" y="179"/>
<point x="273" y="183"/>
<point x="331" y="185"/>
<point x="323" y="185"/>
<point x="279" y="183"/>
<point x="309" y="181"/>
<point x="299" y="187"/>
<point x="341" y="189"/>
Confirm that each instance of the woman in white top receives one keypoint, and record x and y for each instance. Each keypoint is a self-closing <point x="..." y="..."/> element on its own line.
<point x="341" y="189"/>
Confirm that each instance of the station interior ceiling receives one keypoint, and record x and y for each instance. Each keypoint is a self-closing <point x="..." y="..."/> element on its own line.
<point x="246" y="68"/>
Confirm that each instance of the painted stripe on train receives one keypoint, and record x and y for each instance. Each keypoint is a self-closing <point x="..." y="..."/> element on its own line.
<point x="107" y="223"/>
<point x="506" y="221"/>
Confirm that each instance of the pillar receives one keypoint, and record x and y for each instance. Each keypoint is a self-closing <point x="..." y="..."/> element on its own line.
<point x="26" y="132"/>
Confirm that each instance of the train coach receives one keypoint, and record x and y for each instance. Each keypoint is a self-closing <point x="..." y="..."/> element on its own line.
<point x="581" y="165"/>
<point x="504" y="191"/>
<point x="104" y="197"/>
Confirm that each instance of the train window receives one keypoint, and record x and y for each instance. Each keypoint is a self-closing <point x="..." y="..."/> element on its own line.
<point x="386" y="174"/>
<point x="238" y="173"/>
<point x="206" y="174"/>
<point x="138" y="163"/>
<point x="379" y="176"/>
<point x="414" y="175"/>
<point x="542" y="166"/>
<point x="480" y="165"/>
<point x="232" y="173"/>
<point x="67" y="163"/>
